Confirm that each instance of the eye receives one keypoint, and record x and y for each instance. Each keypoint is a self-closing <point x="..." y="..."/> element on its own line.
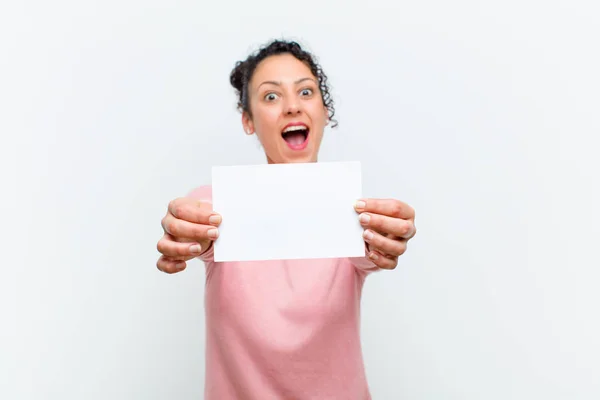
<point x="271" y="96"/>
<point x="306" y="92"/>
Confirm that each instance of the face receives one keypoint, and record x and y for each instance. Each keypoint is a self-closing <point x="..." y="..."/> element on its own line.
<point x="288" y="113"/>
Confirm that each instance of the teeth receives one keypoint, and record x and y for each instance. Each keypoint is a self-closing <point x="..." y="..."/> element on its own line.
<point x="295" y="128"/>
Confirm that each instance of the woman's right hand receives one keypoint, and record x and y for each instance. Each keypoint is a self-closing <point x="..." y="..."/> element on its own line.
<point x="189" y="228"/>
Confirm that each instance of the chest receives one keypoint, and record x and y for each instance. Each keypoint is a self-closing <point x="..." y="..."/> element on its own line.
<point x="296" y="290"/>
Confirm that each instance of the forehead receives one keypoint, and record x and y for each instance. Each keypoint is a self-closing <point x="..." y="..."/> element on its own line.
<point x="280" y="68"/>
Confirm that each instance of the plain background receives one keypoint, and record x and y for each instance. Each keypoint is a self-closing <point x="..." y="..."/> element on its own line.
<point x="481" y="115"/>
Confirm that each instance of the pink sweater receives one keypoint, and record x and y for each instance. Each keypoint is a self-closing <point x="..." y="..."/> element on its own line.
<point x="284" y="329"/>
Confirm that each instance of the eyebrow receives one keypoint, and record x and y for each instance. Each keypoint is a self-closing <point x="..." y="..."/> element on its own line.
<point x="276" y="83"/>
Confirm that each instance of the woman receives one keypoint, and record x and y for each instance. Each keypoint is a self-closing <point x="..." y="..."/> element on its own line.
<point x="283" y="329"/>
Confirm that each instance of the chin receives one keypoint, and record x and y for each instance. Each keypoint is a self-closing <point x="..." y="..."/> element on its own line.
<point x="301" y="160"/>
<point x="296" y="158"/>
<point x="293" y="158"/>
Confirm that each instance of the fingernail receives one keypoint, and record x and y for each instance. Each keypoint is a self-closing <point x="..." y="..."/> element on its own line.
<point x="364" y="218"/>
<point x="213" y="233"/>
<point x="373" y="256"/>
<point x="214" y="219"/>
<point x="359" y="205"/>
<point x="180" y="265"/>
<point x="195" y="248"/>
<point x="368" y="235"/>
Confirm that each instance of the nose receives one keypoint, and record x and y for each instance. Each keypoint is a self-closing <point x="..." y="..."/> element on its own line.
<point x="292" y="107"/>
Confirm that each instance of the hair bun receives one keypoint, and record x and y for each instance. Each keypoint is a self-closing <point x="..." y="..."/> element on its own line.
<point x="237" y="76"/>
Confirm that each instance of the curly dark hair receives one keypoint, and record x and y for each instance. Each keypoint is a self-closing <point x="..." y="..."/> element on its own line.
<point x="244" y="70"/>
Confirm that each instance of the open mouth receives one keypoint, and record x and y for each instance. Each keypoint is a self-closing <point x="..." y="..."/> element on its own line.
<point x="296" y="136"/>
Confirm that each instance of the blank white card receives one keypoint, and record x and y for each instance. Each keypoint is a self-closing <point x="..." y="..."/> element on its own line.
<point x="288" y="211"/>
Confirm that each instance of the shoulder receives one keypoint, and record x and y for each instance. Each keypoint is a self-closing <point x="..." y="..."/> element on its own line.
<point x="201" y="193"/>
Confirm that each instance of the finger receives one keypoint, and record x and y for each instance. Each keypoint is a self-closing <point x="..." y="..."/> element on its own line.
<point x="389" y="207"/>
<point x="401" y="228"/>
<point x="169" y="266"/>
<point x="178" y="250"/>
<point x="387" y="246"/>
<point x="199" y="212"/>
<point x="189" y="230"/>
<point x="383" y="261"/>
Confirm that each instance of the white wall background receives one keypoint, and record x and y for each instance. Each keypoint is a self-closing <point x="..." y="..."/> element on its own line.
<point x="482" y="115"/>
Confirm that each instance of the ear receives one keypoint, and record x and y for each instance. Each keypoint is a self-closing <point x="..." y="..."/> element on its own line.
<point x="326" y="111"/>
<point x="247" y="123"/>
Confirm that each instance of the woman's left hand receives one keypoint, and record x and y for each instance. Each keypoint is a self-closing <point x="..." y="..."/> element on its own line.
<point x="389" y="225"/>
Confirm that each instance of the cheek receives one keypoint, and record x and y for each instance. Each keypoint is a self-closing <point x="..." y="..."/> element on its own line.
<point x="317" y="110"/>
<point x="318" y="115"/>
<point x="266" y="124"/>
